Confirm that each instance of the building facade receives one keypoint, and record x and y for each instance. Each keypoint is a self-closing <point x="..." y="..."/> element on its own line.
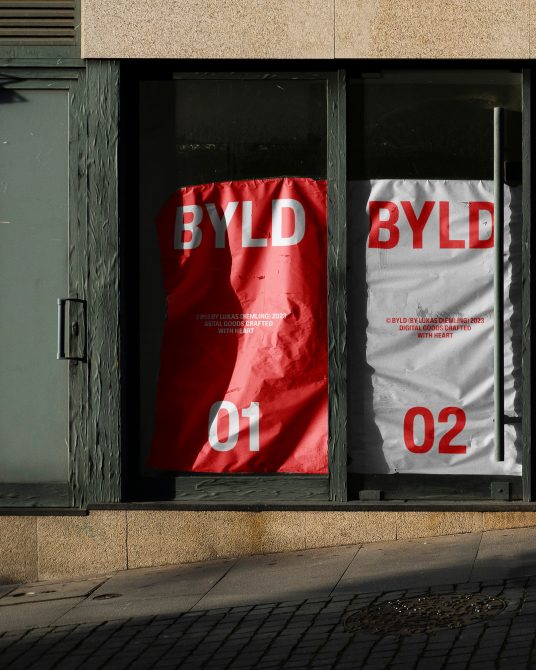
<point x="415" y="120"/>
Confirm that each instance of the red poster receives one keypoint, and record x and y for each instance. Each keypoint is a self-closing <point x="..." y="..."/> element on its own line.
<point x="243" y="368"/>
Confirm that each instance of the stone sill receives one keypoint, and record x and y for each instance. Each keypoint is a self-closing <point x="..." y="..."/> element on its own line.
<point x="42" y="511"/>
<point x="327" y="506"/>
<point x="57" y="544"/>
<point x="279" y="506"/>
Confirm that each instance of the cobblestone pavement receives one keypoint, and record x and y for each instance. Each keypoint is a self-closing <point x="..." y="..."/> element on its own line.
<point x="295" y="634"/>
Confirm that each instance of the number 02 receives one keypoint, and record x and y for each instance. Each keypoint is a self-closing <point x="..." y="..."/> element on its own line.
<point x="445" y="443"/>
<point x="252" y="413"/>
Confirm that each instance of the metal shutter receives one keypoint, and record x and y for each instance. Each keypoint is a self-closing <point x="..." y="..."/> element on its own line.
<point x="37" y="22"/>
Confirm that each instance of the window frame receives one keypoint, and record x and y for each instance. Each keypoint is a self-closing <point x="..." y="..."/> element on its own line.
<point x="250" y="487"/>
<point x="276" y="486"/>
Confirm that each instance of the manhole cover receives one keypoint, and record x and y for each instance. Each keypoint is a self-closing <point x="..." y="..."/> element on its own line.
<point x="424" y="614"/>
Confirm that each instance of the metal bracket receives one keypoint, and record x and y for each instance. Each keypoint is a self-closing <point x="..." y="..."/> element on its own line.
<point x="500" y="490"/>
<point x="370" y="494"/>
<point x="75" y="330"/>
<point x="511" y="419"/>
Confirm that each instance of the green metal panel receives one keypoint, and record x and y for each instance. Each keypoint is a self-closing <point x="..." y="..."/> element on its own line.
<point x="37" y="52"/>
<point x="529" y="481"/>
<point x="34" y="496"/>
<point x="41" y="68"/>
<point x="91" y="423"/>
<point x="252" y="487"/>
<point x="96" y="455"/>
<point x="88" y="120"/>
<point x="34" y="210"/>
<point x="337" y="268"/>
<point x="79" y="406"/>
<point x="412" y="487"/>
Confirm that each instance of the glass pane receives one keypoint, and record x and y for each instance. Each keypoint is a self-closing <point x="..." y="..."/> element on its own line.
<point x="34" y="152"/>
<point x="421" y="300"/>
<point x="430" y="125"/>
<point x="195" y="131"/>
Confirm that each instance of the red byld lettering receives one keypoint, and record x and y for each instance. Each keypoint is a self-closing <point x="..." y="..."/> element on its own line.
<point x="386" y="224"/>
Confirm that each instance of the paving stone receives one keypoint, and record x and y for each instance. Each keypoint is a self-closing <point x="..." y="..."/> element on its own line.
<point x="290" y="634"/>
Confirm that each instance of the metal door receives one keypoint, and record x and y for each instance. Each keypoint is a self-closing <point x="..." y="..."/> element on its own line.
<point x="35" y="209"/>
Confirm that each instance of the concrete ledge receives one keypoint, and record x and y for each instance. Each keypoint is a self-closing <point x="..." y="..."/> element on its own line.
<point x="56" y="547"/>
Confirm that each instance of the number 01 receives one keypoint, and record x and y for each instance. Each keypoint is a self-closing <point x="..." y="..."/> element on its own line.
<point x="252" y="413"/>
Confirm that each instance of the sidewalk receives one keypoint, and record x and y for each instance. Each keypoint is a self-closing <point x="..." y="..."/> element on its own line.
<point x="284" y="610"/>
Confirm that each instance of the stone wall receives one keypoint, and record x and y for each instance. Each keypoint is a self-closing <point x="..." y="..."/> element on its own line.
<point x="308" y="29"/>
<point x="61" y="547"/>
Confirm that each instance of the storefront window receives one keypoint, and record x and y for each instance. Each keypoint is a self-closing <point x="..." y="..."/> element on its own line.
<point x="233" y="275"/>
<point x="230" y="168"/>
<point x="421" y="238"/>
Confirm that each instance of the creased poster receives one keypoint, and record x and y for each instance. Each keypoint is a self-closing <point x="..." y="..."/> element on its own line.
<point x="243" y="368"/>
<point x="421" y="305"/>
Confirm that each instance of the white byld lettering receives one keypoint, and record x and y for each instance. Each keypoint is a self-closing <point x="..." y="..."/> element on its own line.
<point x="220" y="225"/>
<point x="278" y="240"/>
<point x="247" y="222"/>
<point x="192" y="227"/>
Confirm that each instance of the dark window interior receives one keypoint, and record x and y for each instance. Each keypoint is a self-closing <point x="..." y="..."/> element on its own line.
<point x="430" y="125"/>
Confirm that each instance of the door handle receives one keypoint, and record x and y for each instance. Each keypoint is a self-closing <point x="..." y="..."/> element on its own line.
<point x="75" y="330"/>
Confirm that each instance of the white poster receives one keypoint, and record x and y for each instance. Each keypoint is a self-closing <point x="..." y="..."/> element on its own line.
<point x="421" y="327"/>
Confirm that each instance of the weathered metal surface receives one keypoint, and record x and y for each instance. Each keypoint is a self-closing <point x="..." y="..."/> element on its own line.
<point x="254" y="487"/>
<point x="337" y="266"/>
<point x="432" y="487"/>
<point x="424" y="614"/>
<point x="96" y="460"/>
<point x="34" y="495"/>
<point x="78" y="239"/>
<point x="526" y="261"/>
<point x="48" y="67"/>
<point x="24" y="75"/>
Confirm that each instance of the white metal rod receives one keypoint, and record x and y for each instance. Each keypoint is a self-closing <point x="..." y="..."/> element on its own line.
<point x="498" y="282"/>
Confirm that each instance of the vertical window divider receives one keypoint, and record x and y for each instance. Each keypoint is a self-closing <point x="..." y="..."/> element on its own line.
<point x="337" y="297"/>
<point x="527" y="293"/>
